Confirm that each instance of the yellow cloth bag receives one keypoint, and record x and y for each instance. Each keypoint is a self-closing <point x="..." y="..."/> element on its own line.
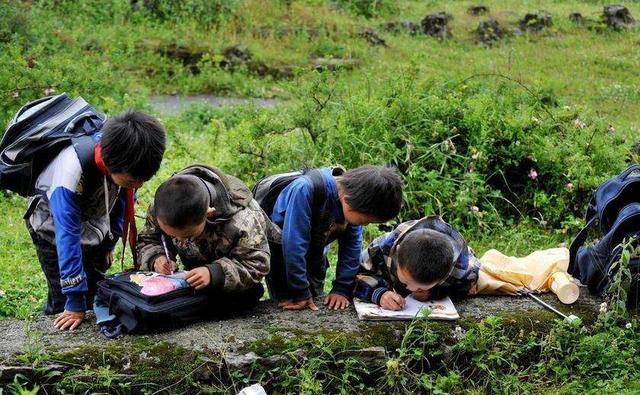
<point x="506" y="275"/>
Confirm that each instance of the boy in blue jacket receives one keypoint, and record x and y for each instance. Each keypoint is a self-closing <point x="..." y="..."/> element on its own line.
<point x="77" y="216"/>
<point x="368" y="194"/>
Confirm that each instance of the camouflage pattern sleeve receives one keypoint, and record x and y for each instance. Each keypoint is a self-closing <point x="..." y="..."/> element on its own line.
<point x="149" y="245"/>
<point x="247" y="263"/>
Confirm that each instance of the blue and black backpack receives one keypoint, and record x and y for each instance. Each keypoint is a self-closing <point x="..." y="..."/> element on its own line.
<point x="615" y="206"/>
<point x="38" y="132"/>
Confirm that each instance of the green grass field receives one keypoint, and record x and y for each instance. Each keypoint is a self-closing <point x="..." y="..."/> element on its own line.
<point x="464" y="123"/>
<point x="113" y="57"/>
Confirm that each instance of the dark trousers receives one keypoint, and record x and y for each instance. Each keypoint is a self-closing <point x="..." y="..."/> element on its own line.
<point x="222" y="303"/>
<point x="95" y="266"/>
<point x="277" y="283"/>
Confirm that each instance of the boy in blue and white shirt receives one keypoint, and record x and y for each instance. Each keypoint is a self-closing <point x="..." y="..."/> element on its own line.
<point x="78" y="215"/>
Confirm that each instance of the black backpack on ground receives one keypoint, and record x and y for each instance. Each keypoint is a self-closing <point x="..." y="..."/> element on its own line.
<point x="38" y="132"/>
<point x="140" y="313"/>
<point x="615" y="206"/>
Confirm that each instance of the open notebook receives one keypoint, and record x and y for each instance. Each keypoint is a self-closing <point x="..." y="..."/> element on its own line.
<point x="440" y="310"/>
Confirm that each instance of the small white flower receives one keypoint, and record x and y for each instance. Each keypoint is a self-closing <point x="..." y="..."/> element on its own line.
<point x="533" y="174"/>
<point x="536" y="120"/>
<point x="475" y="156"/>
<point x="452" y="146"/>
<point x="49" y="91"/>
<point x="458" y="333"/>
<point x="628" y="326"/>
<point x="569" y="186"/>
<point x="475" y="209"/>
<point x="579" y="124"/>
<point x="603" y="307"/>
<point x="2" y="293"/>
<point x="16" y="94"/>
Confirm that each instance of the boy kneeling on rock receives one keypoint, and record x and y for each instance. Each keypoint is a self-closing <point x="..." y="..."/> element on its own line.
<point x="211" y="221"/>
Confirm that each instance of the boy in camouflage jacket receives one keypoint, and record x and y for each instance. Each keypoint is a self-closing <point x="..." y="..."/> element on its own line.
<point x="211" y="221"/>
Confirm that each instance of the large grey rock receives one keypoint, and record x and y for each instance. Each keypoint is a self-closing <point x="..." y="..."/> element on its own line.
<point x="437" y="25"/>
<point x="617" y="17"/>
<point x="535" y="22"/>
<point x="488" y="32"/>
<point x="479" y="9"/>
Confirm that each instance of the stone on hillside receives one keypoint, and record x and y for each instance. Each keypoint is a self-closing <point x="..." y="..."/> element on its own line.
<point x="479" y="9"/>
<point x="617" y="17"/>
<point x="436" y="25"/>
<point x="235" y="55"/>
<point x="488" y="32"/>
<point x="576" y="18"/>
<point x="399" y="26"/>
<point x="373" y="38"/>
<point x="189" y="57"/>
<point x="535" y="22"/>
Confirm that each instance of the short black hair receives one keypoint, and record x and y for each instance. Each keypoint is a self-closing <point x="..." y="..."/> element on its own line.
<point x="426" y="254"/>
<point x="133" y="143"/>
<point x="373" y="190"/>
<point x="181" y="201"/>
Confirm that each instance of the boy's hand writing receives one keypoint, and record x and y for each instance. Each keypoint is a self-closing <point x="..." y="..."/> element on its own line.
<point x="422" y="296"/>
<point x="163" y="266"/>
<point x="336" y="302"/>
<point x="198" y="278"/>
<point x="391" y="301"/>
<point x="69" y="320"/>
<point x="299" y="305"/>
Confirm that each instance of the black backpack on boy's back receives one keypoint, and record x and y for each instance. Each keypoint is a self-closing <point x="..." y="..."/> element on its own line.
<point x="38" y="132"/>
<point x="615" y="206"/>
<point x="266" y="192"/>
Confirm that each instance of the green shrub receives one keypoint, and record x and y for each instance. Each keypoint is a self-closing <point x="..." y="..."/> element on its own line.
<point x="13" y="21"/>
<point x="368" y="8"/>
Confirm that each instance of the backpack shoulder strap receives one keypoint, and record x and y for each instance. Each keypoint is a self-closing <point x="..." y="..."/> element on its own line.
<point x="319" y="194"/>
<point x="84" y="146"/>
<point x="578" y="242"/>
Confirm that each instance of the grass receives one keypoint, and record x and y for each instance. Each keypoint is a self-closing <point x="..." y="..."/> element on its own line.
<point x="464" y="123"/>
<point x="118" y="65"/>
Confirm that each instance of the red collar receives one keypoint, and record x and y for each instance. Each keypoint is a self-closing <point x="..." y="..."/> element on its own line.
<point x="97" y="155"/>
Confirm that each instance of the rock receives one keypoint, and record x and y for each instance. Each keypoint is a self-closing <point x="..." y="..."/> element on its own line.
<point x="479" y="9"/>
<point x="188" y="56"/>
<point x="488" y="32"/>
<point x="241" y="362"/>
<point x="576" y="18"/>
<point x="436" y="25"/>
<point x="399" y="26"/>
<point x="9" y="372"/>
<point x="274" y="361"/>
<point x="333" y="64"/>
<point x="535" y="22"/>
<point x="373" y="38"/>
<point x="617" y="17"/>
<point x="239" y="55"/>
<point x="235" y="55"/>
<point x="372" y="357"/>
